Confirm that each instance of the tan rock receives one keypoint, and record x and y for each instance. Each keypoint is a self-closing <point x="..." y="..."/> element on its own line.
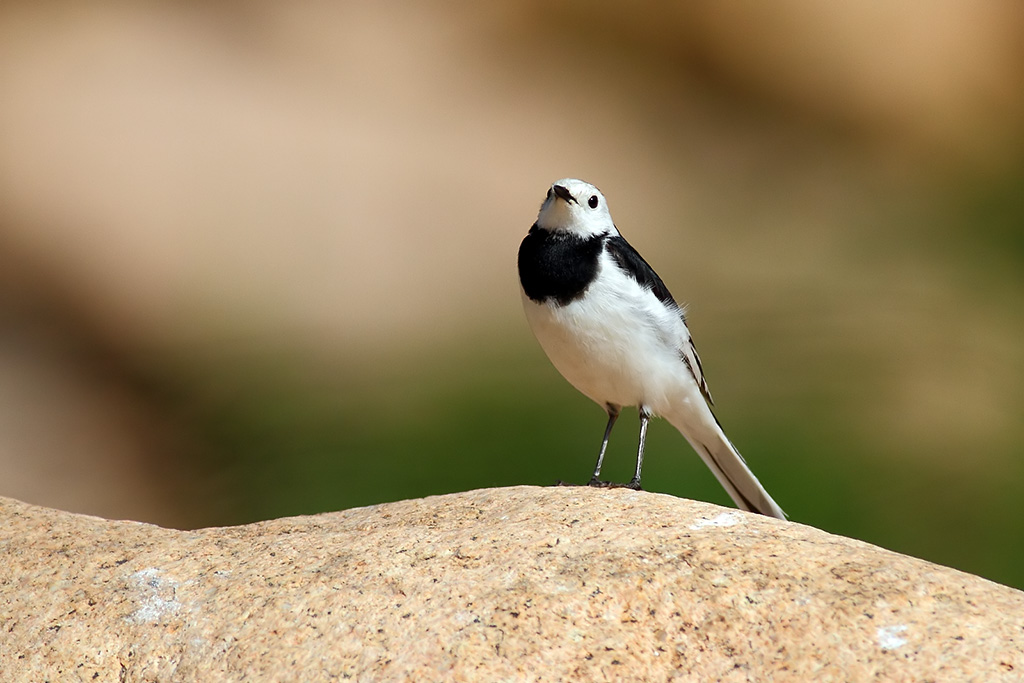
<point x="523" y="584"/>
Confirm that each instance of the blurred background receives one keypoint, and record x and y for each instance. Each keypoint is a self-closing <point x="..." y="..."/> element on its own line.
<point x="258" y="259"/>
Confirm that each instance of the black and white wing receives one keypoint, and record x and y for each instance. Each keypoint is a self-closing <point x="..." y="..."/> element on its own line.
<point x="631" y="262"/>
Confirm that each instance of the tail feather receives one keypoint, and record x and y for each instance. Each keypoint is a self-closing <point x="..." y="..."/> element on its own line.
<point x="732" y="472"/>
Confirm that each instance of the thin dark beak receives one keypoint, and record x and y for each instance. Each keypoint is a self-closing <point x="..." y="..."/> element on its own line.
<point x="563" y="193"/>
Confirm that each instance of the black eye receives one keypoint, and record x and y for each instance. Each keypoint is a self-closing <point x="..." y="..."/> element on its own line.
<point x="592" y="202"/>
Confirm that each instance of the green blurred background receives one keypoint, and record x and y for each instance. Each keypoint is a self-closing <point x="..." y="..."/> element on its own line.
<point x="259" y="259"/>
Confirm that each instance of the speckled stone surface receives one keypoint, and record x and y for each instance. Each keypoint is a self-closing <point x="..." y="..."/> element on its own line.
<point x="517" y="584"/>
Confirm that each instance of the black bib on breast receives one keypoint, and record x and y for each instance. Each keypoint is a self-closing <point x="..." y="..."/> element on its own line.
<point x="556" y="265"/>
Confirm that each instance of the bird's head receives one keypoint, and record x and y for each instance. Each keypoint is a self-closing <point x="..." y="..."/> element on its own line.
<point x="575" y="207"/>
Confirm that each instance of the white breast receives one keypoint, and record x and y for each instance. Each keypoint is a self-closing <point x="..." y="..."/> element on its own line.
<point x="617" y="343"/>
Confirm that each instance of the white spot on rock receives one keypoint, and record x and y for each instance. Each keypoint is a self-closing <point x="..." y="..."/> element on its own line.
<point x="155" y="595"/>
<point x="889" y="637"/>
<point x="721" y="520"/>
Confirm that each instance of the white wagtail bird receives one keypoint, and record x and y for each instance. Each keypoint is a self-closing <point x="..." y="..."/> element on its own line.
<point x="611" y="327"/>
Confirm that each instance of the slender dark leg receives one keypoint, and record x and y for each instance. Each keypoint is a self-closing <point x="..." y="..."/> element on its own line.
<point x="645" y="415"/>
<point x="613" y="415"/>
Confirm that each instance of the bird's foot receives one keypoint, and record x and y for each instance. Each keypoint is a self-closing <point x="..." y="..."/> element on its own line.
<point x="597" y="483"/>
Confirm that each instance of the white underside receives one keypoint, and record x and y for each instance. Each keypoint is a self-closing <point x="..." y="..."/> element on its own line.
<point x="618" y="344"/>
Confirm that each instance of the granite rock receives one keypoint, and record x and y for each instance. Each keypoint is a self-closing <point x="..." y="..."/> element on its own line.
<point x="514" y="584"/>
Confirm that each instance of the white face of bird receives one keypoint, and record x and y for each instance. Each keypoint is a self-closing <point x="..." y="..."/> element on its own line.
<point x="576" y="207"/>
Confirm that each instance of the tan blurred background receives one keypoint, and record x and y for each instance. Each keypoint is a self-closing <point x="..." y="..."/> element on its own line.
<point x="259" y="258"/>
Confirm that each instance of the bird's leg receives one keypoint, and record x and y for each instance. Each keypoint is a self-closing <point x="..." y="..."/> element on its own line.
<point x="613" y="415"/>
<point x="645" y="415"/>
